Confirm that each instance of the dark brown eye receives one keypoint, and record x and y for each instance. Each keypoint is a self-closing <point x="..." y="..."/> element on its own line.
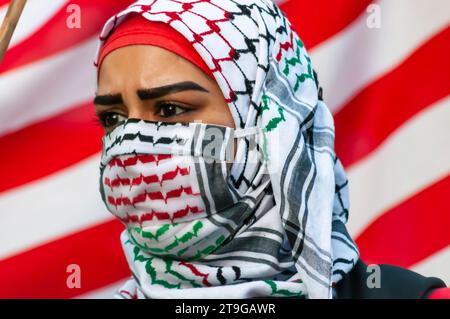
<point x="111" y="119"/>
<point x="170" y="109"/>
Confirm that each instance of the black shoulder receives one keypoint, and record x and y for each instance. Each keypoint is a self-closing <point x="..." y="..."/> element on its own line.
<point x="394" y="283"/>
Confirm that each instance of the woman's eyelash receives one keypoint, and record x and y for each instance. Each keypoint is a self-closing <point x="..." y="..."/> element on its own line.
<point x="162" y="105"/>
<point x="101" y="118"/>
<point x="104" y="117"/>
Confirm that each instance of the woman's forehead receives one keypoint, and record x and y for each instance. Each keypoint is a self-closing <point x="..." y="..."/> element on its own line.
<point x="139" y="65"/>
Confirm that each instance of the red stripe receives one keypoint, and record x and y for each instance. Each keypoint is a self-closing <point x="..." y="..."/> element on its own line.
<point x="42" y="272"/>
<point x="3" y="2"/>
<point x="440" y="293"/>
<point x="411" y="231"/>
<point x="316" y="21"/>
<point x="55" y="36"/>
<point x="46" y="147"/>
<point x="422" y="79"/>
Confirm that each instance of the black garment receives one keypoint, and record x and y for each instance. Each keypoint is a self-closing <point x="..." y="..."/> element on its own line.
<point x="395" y="283"/>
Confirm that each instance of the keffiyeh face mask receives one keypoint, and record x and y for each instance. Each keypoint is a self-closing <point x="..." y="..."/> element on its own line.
<point x="169" y="183"/>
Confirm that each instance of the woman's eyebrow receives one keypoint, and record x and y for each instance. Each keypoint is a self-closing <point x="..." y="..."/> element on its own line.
<point x="108" y="99"/>
<point x="154" y="93"/>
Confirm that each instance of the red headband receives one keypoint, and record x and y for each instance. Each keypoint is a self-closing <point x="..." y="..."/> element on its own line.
<point x="138" y="30"/>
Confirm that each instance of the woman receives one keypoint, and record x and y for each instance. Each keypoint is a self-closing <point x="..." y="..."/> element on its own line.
<point x="219" y="159"/>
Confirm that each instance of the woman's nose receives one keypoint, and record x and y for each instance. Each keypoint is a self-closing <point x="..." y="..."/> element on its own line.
<point x="139" y="111"/>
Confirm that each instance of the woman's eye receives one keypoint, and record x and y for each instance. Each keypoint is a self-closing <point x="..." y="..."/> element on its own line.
<point x="110" y="119"/>
<point x="170" y="109"/>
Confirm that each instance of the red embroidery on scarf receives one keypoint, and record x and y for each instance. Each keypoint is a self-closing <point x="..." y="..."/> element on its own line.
<point x="131" y="161"/>
<point x="158" y="195"/>
<point x="161" y="215"/>
<point x="285" y="47"/>
<point x="197" y="273"/>
<point x="147" y="179"/>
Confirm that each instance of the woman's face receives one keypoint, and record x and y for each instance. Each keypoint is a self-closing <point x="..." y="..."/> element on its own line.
<point x="150" y="83"/>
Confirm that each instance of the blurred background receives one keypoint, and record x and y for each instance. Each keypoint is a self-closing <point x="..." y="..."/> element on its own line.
<point x="385" y="70"/>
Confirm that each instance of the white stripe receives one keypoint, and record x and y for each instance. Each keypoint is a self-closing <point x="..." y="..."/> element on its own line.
<point x="437" y="265"/>
<point x="50" y="208"/>
<point x="413" y="158"/>
<point x="358" y="55"/>
<point x="33" y="17"/>
<point x="106" y="292"/>
<point x="47" y="87"/>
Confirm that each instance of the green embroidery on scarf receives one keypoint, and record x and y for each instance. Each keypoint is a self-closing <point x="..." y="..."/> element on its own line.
<point x="152" y="271"/>
<point x="283" y="292"/>
<point x="271" y="125"/>
<point x="146" y="234"/>
<point x="182" y="239"/>
<point x="264" y="106"/>
<point x="300" y="77"/>
<point x="273" y="122"/>
<point x="208" y="250"/>
<point x="169" y="270"/>
<point x="264" y="103"/>
<point x="134" y="241"/>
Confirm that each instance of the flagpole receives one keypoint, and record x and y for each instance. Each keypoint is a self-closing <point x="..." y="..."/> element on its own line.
<point x="9" y="24"/>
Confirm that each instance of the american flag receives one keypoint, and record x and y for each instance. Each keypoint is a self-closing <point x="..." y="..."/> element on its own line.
<point x="385" y="70"/>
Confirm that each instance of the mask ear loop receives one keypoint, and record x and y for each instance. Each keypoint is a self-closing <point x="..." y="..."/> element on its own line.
<point x="244" y="132"/>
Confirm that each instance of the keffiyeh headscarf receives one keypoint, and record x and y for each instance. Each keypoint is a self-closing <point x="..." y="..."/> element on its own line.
<point x="285" y="195"/>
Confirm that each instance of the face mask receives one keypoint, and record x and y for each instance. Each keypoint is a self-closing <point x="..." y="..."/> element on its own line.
<point x="168" y="183"/>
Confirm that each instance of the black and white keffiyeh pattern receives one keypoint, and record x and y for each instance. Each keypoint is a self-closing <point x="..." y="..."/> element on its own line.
<point x="298" y="229"/>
